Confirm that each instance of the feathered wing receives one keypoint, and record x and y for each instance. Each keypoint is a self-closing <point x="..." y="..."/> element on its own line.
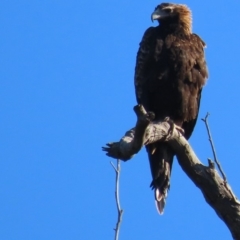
<point x="197" y="73"/>
<point x="159" y="154"/>
<point x="143" y="63"/>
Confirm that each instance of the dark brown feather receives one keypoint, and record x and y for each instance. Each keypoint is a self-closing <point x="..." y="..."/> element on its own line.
<point x="169" y="75"/>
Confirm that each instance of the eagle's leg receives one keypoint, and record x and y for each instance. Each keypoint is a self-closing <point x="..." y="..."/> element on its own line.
<point x="174" y="125"/>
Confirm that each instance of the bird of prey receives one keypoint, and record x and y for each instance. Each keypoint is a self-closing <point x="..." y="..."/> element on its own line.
<point x="169" y="76"/>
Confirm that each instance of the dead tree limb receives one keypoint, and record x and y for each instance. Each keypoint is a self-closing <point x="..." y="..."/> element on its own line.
<point x="119" y="210"/>
<point x="215" y="191"/>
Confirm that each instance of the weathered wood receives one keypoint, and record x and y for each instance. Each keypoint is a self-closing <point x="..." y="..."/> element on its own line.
<point x="216" y="192"/>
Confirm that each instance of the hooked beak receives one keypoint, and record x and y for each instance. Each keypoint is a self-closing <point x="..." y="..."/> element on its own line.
<point x="158" y="14"/>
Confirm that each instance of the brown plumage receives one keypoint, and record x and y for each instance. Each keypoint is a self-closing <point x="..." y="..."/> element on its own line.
<point x="169" y="75"/>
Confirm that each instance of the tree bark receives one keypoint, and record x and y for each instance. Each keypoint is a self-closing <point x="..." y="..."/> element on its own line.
<point x="216" y="191"/>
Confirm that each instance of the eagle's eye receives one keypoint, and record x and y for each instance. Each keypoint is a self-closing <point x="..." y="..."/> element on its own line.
<point x="168" y="10"/>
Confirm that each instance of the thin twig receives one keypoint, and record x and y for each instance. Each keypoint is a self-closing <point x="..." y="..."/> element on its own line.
<point x="213" y="149"/>
<point x="205" y="120"/>
<point x="120" y="211"/>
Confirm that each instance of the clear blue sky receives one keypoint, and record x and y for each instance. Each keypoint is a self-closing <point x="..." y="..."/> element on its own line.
<point x="66" y="87"/>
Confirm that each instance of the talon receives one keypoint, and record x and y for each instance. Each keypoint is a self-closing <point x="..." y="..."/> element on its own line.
<point x="166" y="119"/>
<point x="172" y="126"/>
<point x="181" y="130"/>
<point x="153" y="150"/>
<point x="171" y="123"/>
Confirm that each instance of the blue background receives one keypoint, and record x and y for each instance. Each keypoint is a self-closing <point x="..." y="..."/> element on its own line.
<point x="66" y="88"/>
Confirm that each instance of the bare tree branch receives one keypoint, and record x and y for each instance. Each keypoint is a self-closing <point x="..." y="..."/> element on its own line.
<point x="216" y="191"/>
<point x="120" y="211"/>
<point x="205" y="120"/>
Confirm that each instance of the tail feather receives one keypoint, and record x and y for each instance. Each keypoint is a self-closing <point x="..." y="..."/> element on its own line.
<point x="160" y="205"/>
<point x="160" y="200"/>
<point x="161" y="160"/>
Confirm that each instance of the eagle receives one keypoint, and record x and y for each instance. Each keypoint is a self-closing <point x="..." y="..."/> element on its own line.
<point x="169" y="76"/>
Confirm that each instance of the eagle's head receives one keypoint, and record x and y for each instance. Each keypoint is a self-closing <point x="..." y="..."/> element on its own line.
<point x="170" y="13"/>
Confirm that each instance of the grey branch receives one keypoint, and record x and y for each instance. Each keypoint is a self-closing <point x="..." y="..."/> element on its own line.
<point x="205" y="120"/>
<point x="120" y="211"/>
<point x="216" y="191"/>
